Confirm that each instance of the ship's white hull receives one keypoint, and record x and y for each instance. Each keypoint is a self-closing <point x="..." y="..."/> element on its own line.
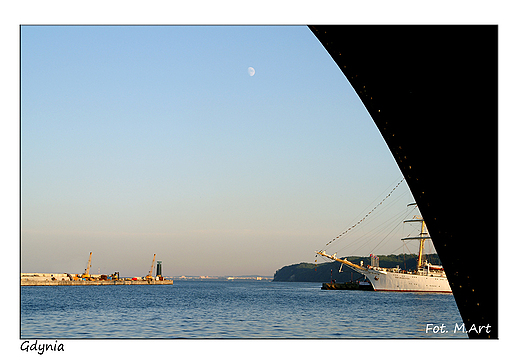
<point x="404" y="282"/>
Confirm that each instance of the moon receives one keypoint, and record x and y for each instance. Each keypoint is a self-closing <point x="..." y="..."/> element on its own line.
<point x="251" y="71"/>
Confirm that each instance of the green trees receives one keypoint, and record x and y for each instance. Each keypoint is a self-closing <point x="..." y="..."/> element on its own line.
<point x="321" y="273"/>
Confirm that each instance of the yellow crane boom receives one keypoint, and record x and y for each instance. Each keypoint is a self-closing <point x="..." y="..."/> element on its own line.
<point x="151" y="269"/>
<point x="87" y="271"/>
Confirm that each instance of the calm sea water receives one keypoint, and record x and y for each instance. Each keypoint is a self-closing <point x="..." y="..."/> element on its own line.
<point x="231" y="309"/>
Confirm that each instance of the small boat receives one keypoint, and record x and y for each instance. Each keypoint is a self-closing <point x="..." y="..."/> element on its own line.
<point x="347" y="286"/>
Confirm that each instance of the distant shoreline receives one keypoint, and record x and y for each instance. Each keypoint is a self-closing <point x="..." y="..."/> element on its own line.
<point x="231" y="278"/>
<point x="329" y="271"/>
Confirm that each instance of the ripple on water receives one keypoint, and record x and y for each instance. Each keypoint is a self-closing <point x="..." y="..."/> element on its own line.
<point x="229" y="310"/>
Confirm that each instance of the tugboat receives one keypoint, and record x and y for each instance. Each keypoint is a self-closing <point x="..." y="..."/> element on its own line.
<point x="357" y="285"/>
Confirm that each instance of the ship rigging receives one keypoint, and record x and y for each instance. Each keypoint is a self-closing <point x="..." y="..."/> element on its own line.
<point x="425" y="278"/>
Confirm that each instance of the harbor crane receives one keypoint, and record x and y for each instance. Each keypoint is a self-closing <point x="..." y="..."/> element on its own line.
<point x="87" y="271"/>
<point x="149" y="276"/>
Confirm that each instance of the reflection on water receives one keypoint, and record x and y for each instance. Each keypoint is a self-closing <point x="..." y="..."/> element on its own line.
<point x="231" y="309"/>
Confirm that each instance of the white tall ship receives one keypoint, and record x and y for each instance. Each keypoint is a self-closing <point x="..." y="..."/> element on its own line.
<point x="427" y="278"/>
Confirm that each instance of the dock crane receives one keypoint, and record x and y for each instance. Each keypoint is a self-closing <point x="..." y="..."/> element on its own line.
<point x="87" y="271"/>
<point x="149" y="276"/>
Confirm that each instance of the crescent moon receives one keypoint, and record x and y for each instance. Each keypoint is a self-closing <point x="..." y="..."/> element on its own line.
<point x="251" y="71"/>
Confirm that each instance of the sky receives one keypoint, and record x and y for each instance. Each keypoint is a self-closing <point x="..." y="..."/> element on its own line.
<point x="142" y="140"/>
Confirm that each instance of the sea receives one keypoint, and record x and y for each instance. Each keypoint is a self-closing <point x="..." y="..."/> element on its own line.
<point x="233" y="310"/>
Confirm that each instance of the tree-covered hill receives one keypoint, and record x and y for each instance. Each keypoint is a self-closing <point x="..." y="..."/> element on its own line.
<point x="308" y="272"/>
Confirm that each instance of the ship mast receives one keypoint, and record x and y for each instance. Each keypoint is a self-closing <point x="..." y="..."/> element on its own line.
<point x="422" y="237"/>
<point x="421" y="245"/>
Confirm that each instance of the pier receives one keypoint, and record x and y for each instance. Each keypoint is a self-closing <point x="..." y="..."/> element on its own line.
<point x="86" y="278"/>
<point x="28" y="282"/>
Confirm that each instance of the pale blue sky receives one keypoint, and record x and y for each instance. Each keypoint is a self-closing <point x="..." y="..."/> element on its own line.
<point x="155" y="139"/>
